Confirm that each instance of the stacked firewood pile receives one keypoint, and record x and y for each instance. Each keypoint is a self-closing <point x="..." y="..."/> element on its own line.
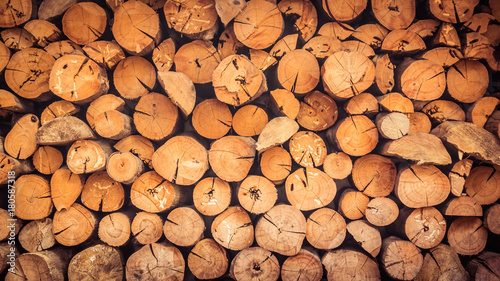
<point x="252" y="140"/>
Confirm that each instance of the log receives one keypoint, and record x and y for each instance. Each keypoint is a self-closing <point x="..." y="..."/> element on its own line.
<point x="233" y="229"/>
<point x="276" y="164"/>
<point x="156" y="117"/>
<point x="20" y="142"/>
<point x="276" y="132"/>
<point x="363" y="103"/>
<point x="458" y="12"/>
<point x="317" y="111"/>
<point x="44" y="32"/>
<point x="396" y="102"/>
<point x="58" y="109"/>
<point x="285" y="45"/>
<point x="325" y="229"/>
<point x="339" y="30"/>
<point x="114" y="229"/>
<point x="343" y="11"/>
<point x="139" y="146"/>
<point x="254" y="262"/>
<point x="303" y="16"/>
<point x="337" y="165"/>
<point x="6" y="218"/>
<point x="420" y="79"/>
<point x="47" y="159"/>
<point x="105" y="53"/>
<point x="306" y="265"/>
<point x="446" y="35"/>
<point x="87" y="156"/>
<point x="479" y="112"/>
<point x="467" y="81"/>
<point x="65" y="188"/>
<point x="99" y="262"/>
<point x="400" y="259"/>
<point x="282" y="229"/>
<point x="4" y="251"/>
<point x="362" y="132"/>
<point x="310" y="189"/>
<point x="146" y="228"/>
<point x="63" y="131"/>
<point x="384" y="74"/>
<point x="442" y="263"/>
<point x="212" y="119"/>
<point x="392" y="125"/>
<point x="208" y="260"/>
<point x="85" y="22"/>
<point x="184" y="227"/>
<point x="16" y="12"/>
<point x="102" y="104"/>
<point x="419" y="186"/>
<point x="136" y="28"/>
<point x="9" y="165"/>
<point x="459" y="172"/>
<point x="64" y="47"/>
<point x="231" y="157"/>
<point x="371" y="34"/>
<point x="152" y="193"/>
<point x="17" y="38"/>
<point x="444" y="56"/>
<point x="307" y="149"/>
<point x="180" y="89"/>
<point x="211" y="196"/>
<point x="443" y="110"/>
<point x="249" y="120"/>
<point x="394" y="15"/>
<point x="357" y="46"/>
<point x="484" y="266"/>
<point x="345" y="264"/>
<point x="144" y="264"/>
<point x="262" y="59"/>
<point x="74" y="226"/>
<point x="285" y="103"/>
<point x="128" y="69"/>
<point x="482" y="185"/>
<point x="12" y="102"/>
<point x="366" y="235"/>
<point x="403" y="42"/>
<point x="493" y="123"/>
<point x="195" y="19"/>
<point x="102" y="193"/>
<point x="424" y="227"/>
<point x="198" y="60"/>
<point x="52" y="9"/>
<point x="490" y="220"/>
<point x="381" y="211"/>
<point x="124" y="167"/>
<point x="46" y="265"/>
<point x="228" y="44"/>
<point x="298" y="71"/>
<point x="419" y="123"/>
<point x="37" y="236"/>
<point x="353" y="204"/>
<point x="4" y="57"/>
<point x="257" y="194"/>
<point x="181" y="160"/>
<point x="33" y="201"/>
<point x="323" y="46"/>
<point x="374" y="175"/>
<point x="467" y="235"/>
<point x="113" y="125"/>
<point x="463" y="206"/>
<point x="163" y="55"/>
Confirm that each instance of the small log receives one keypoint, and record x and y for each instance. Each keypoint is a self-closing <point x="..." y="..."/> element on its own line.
<point x="337" y="165"/>
<point x="20" y="142"/>
<point x="74" y="226"/>
<point x="357" y="46"/>
<point x="163" y="55"/>
<point x="33" y="201"/>
<point x="146" y="228"/>
<point x="44" y="32"/>
<point x="249" y="120"/>
<point x="14" y="103"/>
<point x="184" y="227"/>
<point x="282" y="229"/>
<point x="371" y="34"/>
<point x="237" y="80"/>
<point x="442" y="263"/>
<point x="325" y="229"/>
<point x="395" y="102"/>
<point x="443" y="110"/>
<point x="257" y="194"/>
<point x="374" y="175"/>
<point x="306" y="265"/>
<point x="421" y="148"/>
<point x="459" y="172"/>
<point x="298" y="71"/>
<point x="471" y="139"/>
<point x="254" y="262"/>
<point x="37" y="236"/>
<point x="403" y="42"/>
<point x="276" y="164"/>
<point x="463" y="206"/>
<point x="113" y="125"/>
<point x="394" y="15"/>
<point x="309" y="189"/>
<point x="323" y="46"/>
<point x="198" y="60"/>
<point x="424" y="227"/>
<point x="6" y="218"/>
<point x="136" y="28"/>
<point x="58" y="109"/>
<point x="102" y="104"/>
<point x="46" y="265"/>
<point x="317" y="112"/>
<point x="233" y="229"/>
<point x="339" y="30"/>
<point x="343" y="11"/>
<point x="212" y="119"/>
<point x="400" y="259"/>
<point x="392" y="125"/>
<point x="20" y="73"/>
<point x="105" y="53"/>
<point x="63" y="47"/>
<point x="420" y="79"/>
<point x="78" y="79"/>
<point x="467" y="81"/>
<point x="366" y="235"/>
<point x="228" y="10"/>
<point x="102" y="193"/>
<point x="493" y="123"/>
<point x="363" y="103"/>
<point x="381" y="211"/>
<point x="99" y="262"/>
<point x="87" y="156"/>
<point x="285" y="45"/>
<point x="476" y="46"/>
<point x="419" y="123"/>
<point x="444" y="56"/>
<point x="180" y="89"/>
<point x="490" y="220"/>
<point x="84" y="22"/>
<point x="362" y="135"/>
<point x="353" y="203"/>
<point x="482" y="185"/>
<point x="65" y="188"/>
<point x="195" y="19"/>
<point x="384" y="74"/>
<point x="74" y="129"/>
<point x="114" y="229"/>
<point x="419" y="186"/>
<point x="134" y="77"/>
<point x="261" y="59"/>
<point x="181" y="160"/>
<point x="285" y="103"/>
<point x="231" y="157"/>
<point x="152" y="193"/>
<point x="307" y="149"/>
<point x="228" y="44"/>
<point x="259" y="24"/>
<point x="139" y="146"/>
<point x="303" y="15"/>
<point x="144" y="264"/>
<point x="156" y="117"/>
<point x="453" y="12"/>
<point x="467" y="235"/>
<point x="446" y="35"/>
<point x="208" y="260"/>
<point x="211" y="196"/>
<point x="52" y="9"/>
<point x="9" y="165"/>
<point x="346" y="74"/>
<point x="276" y="132"/>
<point x="124" y="167"/>
<point x="485" y="265"/>
<point x="17" y="12"/>
<point x="17" y="38"/>
<point x="479" y="112"/>
<point x="346" y="264"/>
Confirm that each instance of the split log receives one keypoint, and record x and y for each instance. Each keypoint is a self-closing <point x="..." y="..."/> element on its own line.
<point x="366" y="235"/>
<point x="403" y="42"/>
<point x="442" y="263"/>
<point x="198" y="60"/>
<point x="74" y="225"/>
<point x="105" y="53"/>
<point x="37" y="236"/>
<point x="9" y="165"/>
<point x="317" y="112"/>
<point x="322" y="46"/>
<point x="362" y="132"/>
<point x="344" y="11"/>
<point x="485" y="266"/>
<point x="180" y="89"/>
<point x="163" y="55"/>
<point x="381" y="211"/>
<point x="44" y="32"/>
<point x="146" y="228"/>
<point x="276" y="164"/>
<point x="394" y="15"/>
<point x="227" y="10"/>
<point x="17" y="12"/>
<point x="307" y="149"/>
<point x="152" y="193"/>
<point x="99" y="262"/>
<point x="443" y="110"/>
<point x="262" y="59"/>
<point x="20" y="142"/>
<point x="419" y="123"/>
<point x="249" y="120"/>
<point x="156" y="117"/>
<point x="84" y="22"/>
<point x="446" y="35"/>
<point x="371" y="34"/>
<point x="444" y="56"/>
<point x="195" y="19"/>
<point x="144" y="264"/>
<point x="14" y="103"/>
<point x="46" y="265"/>
<point x="58" y="109"/>
<point x="52" y="9"/>
<point x="136" y="28"/>
<point x="384" y="74"/>
<point x="467" y="81"/>
<point x="337" y="165"/>
<point x="447" y="11"/>
<point x="420" y="79"/>
<point x="113" y="125"/>
<point x="363" y="103"/>
<point x="309" y="189"/>
<point x="254" y="262"/>
<point x="400" y="259"/>
<point x="33" y="201"/>
<point x="463" y="206"/>
<point x="467" y="235"/>
<point x="298" y="71"/>
<point x="282" y="229"/>
<point x="184" y="227"/>
<point x="480" y="111"/>
<point x="392" y="125"/>
<point x="211" y="196"/>
<point x="181" y="160"/>
<point x="208" y="260"/>
<point x="231" y="157"/>
<point x="228" y="44"/>
<point x="326" y="229"/>
<point x="65" y="188"/>
<point x="212" y="119"/>
<point x="17" y="38"/>
<point x="64" y="47"/>
<point x="482" y="185"/>
<point x="114" y="229"/>
<point x="257" y="194"/>
<point x="374" y="175"/>
<point x="134" y="77"/>
<point x="339" y="30"/>
<point x="490" y="220"/>
<point x="87" y="156"/>
<point x="233" y="229"/>
<point x="424" y="227"/>
<point x="344" y="264"/>
<point x="459" y="172"/>
<point x="306" y="265"/>
<point x="102" y="104"/>
<point x="63" y="131"/>
<point x="396" y="102"/>
<point x="285" y="45"/>
<point x="102" y="193"/>
<point x="357" y="46"/>
<point x="139" y="146"/>
<point x="4" y="56"/>
<point x="276" y="132"/>
<point x="303" y="15"/>
<point x="285" y="103"/>
<point x="353" y="204"/>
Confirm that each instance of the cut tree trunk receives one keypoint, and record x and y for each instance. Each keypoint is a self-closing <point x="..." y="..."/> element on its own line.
<point x="231" y="157"/>
<point x="233" y="229"/>
<point x="249" y="120"/>
<point x="74" y="226"/>
<point x="345" y="264"/>
<point x="87" y="156"/>
<point x="208" y="260"/>
<point x="374" y="175"/>
<point x="114" y="229"/>
<point x="366" y="235"/>
<point x="309" y="189"/>
<point x="306" y="265"/>
<point x="257" y="194"/>
<point x="65" y="188"/>
<point x="37" y="236"/>
<point x="33" y="201"/>
<point x="46" y="265"/>
<point x="211" y="196"/>
<point x="146" y="228"/>
<point x="102" y="193"/>
<point x="99" y="262"/>
<point x="212" y="119"/>
<point x="400" y="259"/>
<point x="152" y="193"/>
<point x="156" y="117"/>
<point x="381" y="211"/>
<point x="326" y="229"/>
<point x="134" y="77"/>
<point x="184" y="227"/>
<point x="144" y="264"/>
<point x="84" y="22"/>
<point x="254" y="262"/>
<point x="467" y="235"/>
<point x="124" y="167"/>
